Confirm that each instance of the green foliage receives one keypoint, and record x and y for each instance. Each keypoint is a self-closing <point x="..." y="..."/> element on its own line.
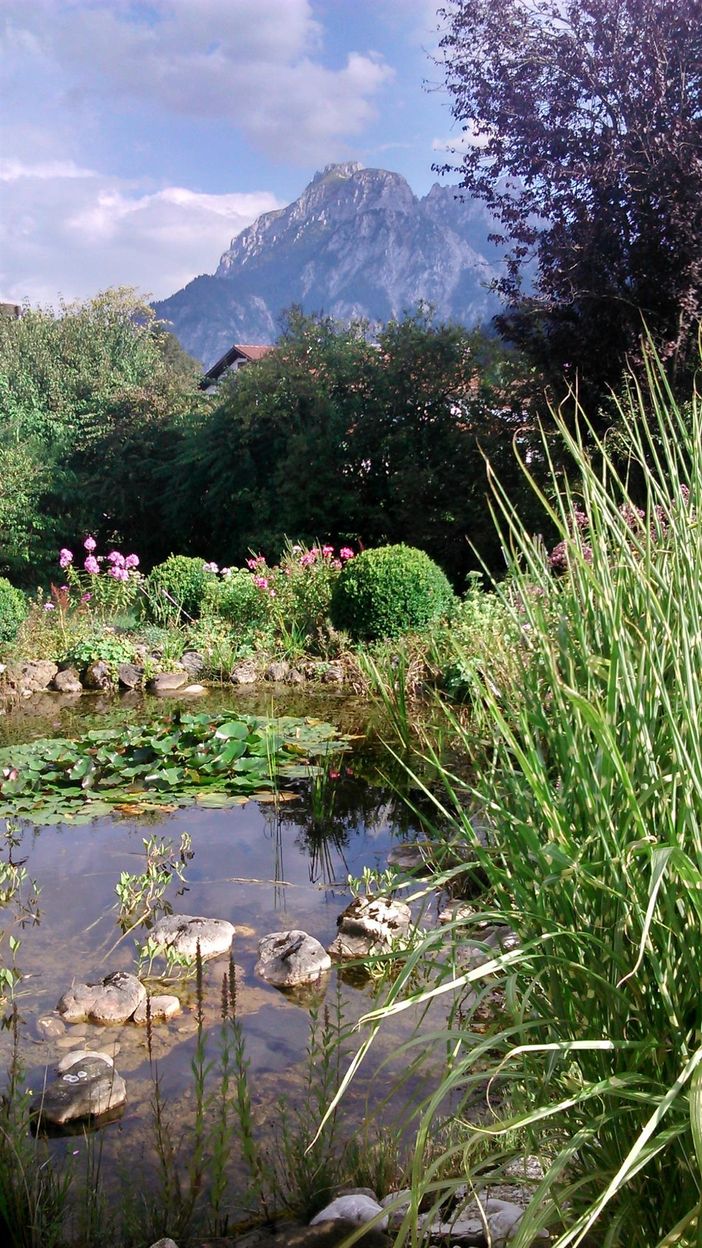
<point x="213" y="759"/>
<point x="388" y="591"/>
<point x="176" y="588"/>
<point x="100" y="645"/>
<point x="13" y="610"/>
<point x="235" y="599"/>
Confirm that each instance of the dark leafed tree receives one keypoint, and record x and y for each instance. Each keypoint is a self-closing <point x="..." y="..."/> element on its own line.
<point x="583" y="134"/>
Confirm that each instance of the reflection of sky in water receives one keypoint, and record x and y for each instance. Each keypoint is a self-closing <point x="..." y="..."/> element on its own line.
<point x="265" y="868"/>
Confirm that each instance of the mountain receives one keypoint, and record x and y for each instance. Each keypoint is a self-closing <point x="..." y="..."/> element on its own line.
<point x="357" y="243"/>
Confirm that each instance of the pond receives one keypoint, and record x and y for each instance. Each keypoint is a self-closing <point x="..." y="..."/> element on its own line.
<point x="264" y="866"/>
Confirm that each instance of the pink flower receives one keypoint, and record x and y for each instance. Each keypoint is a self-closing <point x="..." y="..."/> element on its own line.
<point x="48" y="606"/>
<point x="261" y="582"/>
<point x="64" y="589"/>
<point x="85" y="597"/>
<point x="132" y="561"/>
<point x="336" y="565"/>
<point x="118" y="574"/>
<point x="255" y="563"/>
<point x="346" y="552"/>
<point x="327" y="551"/>
<point x="272" y="593"/>
<point x="65" y="557"/>
<point x="210" y="567"/>
<point x="91" y="565"/>
<point x="115" y="557"/>
<point x="308" y="559"/>
<point x="333" y="775"/>
<point x="90" y="544"/>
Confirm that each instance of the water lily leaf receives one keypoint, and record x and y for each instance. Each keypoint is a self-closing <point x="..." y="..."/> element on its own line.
<point x="236" y="729"/>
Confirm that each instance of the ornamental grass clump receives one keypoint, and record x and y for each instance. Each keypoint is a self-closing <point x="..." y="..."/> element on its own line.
<point x="592" y="789"/>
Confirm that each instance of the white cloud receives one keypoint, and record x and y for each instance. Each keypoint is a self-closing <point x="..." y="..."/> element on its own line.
<point x="252" y="63"/>
<point x="472" y="136"/>
<point x="76" y="233"/>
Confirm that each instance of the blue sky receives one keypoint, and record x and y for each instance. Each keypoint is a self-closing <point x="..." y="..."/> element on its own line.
<point x="139" y="136"/>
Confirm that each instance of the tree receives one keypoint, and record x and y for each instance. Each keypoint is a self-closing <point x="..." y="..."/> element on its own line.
<point x="584" y="137"/>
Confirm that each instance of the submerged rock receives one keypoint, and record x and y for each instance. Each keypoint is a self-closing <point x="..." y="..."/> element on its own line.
<point x="370" y="925"/>
<point x="492" y="1222"/>
<point x="82" y="1055"/>
<point x="287" y="959"/>
<point x="50" y="1027"/>
<point x="408" y="857"/>
<point x="183" y="932"/>
<point x="357" y="1209"/>
<point x="88" y="1088"/>
<point x="113" y="1000"/>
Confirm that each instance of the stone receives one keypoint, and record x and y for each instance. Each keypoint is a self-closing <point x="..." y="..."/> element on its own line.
<point x="193" y="662"/>
<point x="113" y="1000"/>
<point x="183" y="932"/>
<point x="129" y="675"/>
<point x="469" y="1226"/>
<point x="168" y="682"/>
<point x="67" y="681"/>
<point x="333" y="674"/>
<point x="409" y="857"/>
<point x="397" y="1204"/>
<point x="287" y="959"/>
<point x="193" y="690"/>
<point x="162" y="1008"/>
<point x="355" y="1209"/>
<point x="497" y="940"/>
<point x="32" y="676"/>
<point x="277" y="671"/>
<point x="244" y="674"/>
<point x="370" y="925"/>
<point x="80" y="1055"/>
<point x="295" y="677"/>
<point x="88" y="1088"/>
<point x="165" y="1243"/>
<point x="457" y="912"/>
<point x="50" y="1027"/>
<point x="329" y="1234"/>
<point x="97" y="675"/>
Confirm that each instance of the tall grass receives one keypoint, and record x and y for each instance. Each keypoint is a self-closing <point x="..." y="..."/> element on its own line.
<point x="593" y="789"/>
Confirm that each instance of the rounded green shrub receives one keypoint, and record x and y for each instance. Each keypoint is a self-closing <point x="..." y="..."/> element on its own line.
<point x="13" y="609"/>
<point x="177" y="587"/>
<point x="236" y="600"/>
<point x="388" y="591"/>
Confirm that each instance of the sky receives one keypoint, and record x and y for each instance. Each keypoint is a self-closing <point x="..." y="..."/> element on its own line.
<point x="138" y="137"/>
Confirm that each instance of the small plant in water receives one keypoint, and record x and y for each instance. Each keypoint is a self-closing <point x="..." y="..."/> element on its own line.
<point x="141" y="895"/>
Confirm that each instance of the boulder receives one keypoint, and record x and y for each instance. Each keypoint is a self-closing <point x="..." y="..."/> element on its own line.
<point x="168" y="682"/>
<point x="183" y="932"/>
<point x="193" y="662"/>
<point x="469" y="1224"/>
<point x="50" y="1027"/>
<point x="113" y="1000"/>
<point x="277" y="671"/>
<point x="32" y="676"/>
<point x="333" y="674"/>
<point x="82" y="1055"/>
<point x="97" y="675"/>
<point x="162" y="1007"/>
<point x="357" y="1209"/>
<point x="67" y="681"/>
<point x="244" y="674"/>
<point x="287" y="959"/>
<point x="88" y="1088"/>
<point x="408" y="857"/>
<point x="193" y="690"/>
<point x="129" y="675"/>
<point x="370" y="925"/>
<point x="295" y="677"/>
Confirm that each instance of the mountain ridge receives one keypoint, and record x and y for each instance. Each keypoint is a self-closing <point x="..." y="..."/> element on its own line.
<point x="357" y="243"/>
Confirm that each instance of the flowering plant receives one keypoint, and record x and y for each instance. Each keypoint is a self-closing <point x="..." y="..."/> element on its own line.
<point x="107" y="584"/>
<point x="298" y="588"/>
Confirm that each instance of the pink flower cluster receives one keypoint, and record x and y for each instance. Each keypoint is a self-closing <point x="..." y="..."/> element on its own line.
<point x="120" y="565"/>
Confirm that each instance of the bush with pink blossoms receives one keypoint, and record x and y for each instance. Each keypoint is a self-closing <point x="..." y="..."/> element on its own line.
<point x="298" y="590"/>
<point x="108" y="584"/>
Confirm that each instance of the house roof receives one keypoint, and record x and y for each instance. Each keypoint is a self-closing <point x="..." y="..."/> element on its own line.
<point x="246" y="352"/>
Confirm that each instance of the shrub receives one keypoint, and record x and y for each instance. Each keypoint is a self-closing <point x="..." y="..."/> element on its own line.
<point x="177" y="588"/>
<point x="13" y="610"/>
<point x="388" y="591"/>
<point x="236" y="599"/>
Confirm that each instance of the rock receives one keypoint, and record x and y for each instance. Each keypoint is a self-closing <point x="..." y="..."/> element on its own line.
<point x="114" y="1000"/>
<point x="290" y="958"/>
<point x="81" y="1055"/>
<point x="497" y="939"/>
<point x="277" y="671"/>
<point x="333" y="674"/>
<point x="97" y="675"/>
<point x="370" y="925"/>
<point x="329" y="1234"/>
<point x="193" y="662"/>
<point x="129" y="675"/>
<point x="32" y="676"/>
<point x="397" y="1204"/>
<point x="408" y="857"/>
<point x="355" y="1209"/>
<point x="162" y="1008"/>
<point x="165" y="1243"/>
<point x="67" y="681"/>
<point x="295" y="677"/>
<point x="244" y="674"/>
<point x="468" y="1227"/>
<point x="167" y="682"/>
<point x="50" y="1027"/>
<point x="457" y="912"/>
<point x="89" y="1087"/>
<point x="193" y="690"/>
<point x="183" y="932"/>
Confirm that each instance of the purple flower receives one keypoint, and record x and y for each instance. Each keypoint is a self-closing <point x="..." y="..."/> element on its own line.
<point x="132" y="561"/>
<point x="85" y="597"/>
<point x="91" y="565"/>
<point x="210" y="567"/>
<point x="65" y="557"/>
<point x="346" y="552"/>
<point x="115" y="557"/>
<point x="260" y="582"/>
<point x="48" y="606"/>
<point x="90" y="544"/>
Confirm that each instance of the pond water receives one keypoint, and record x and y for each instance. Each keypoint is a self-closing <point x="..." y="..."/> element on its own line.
<point x="263" y="866"/>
